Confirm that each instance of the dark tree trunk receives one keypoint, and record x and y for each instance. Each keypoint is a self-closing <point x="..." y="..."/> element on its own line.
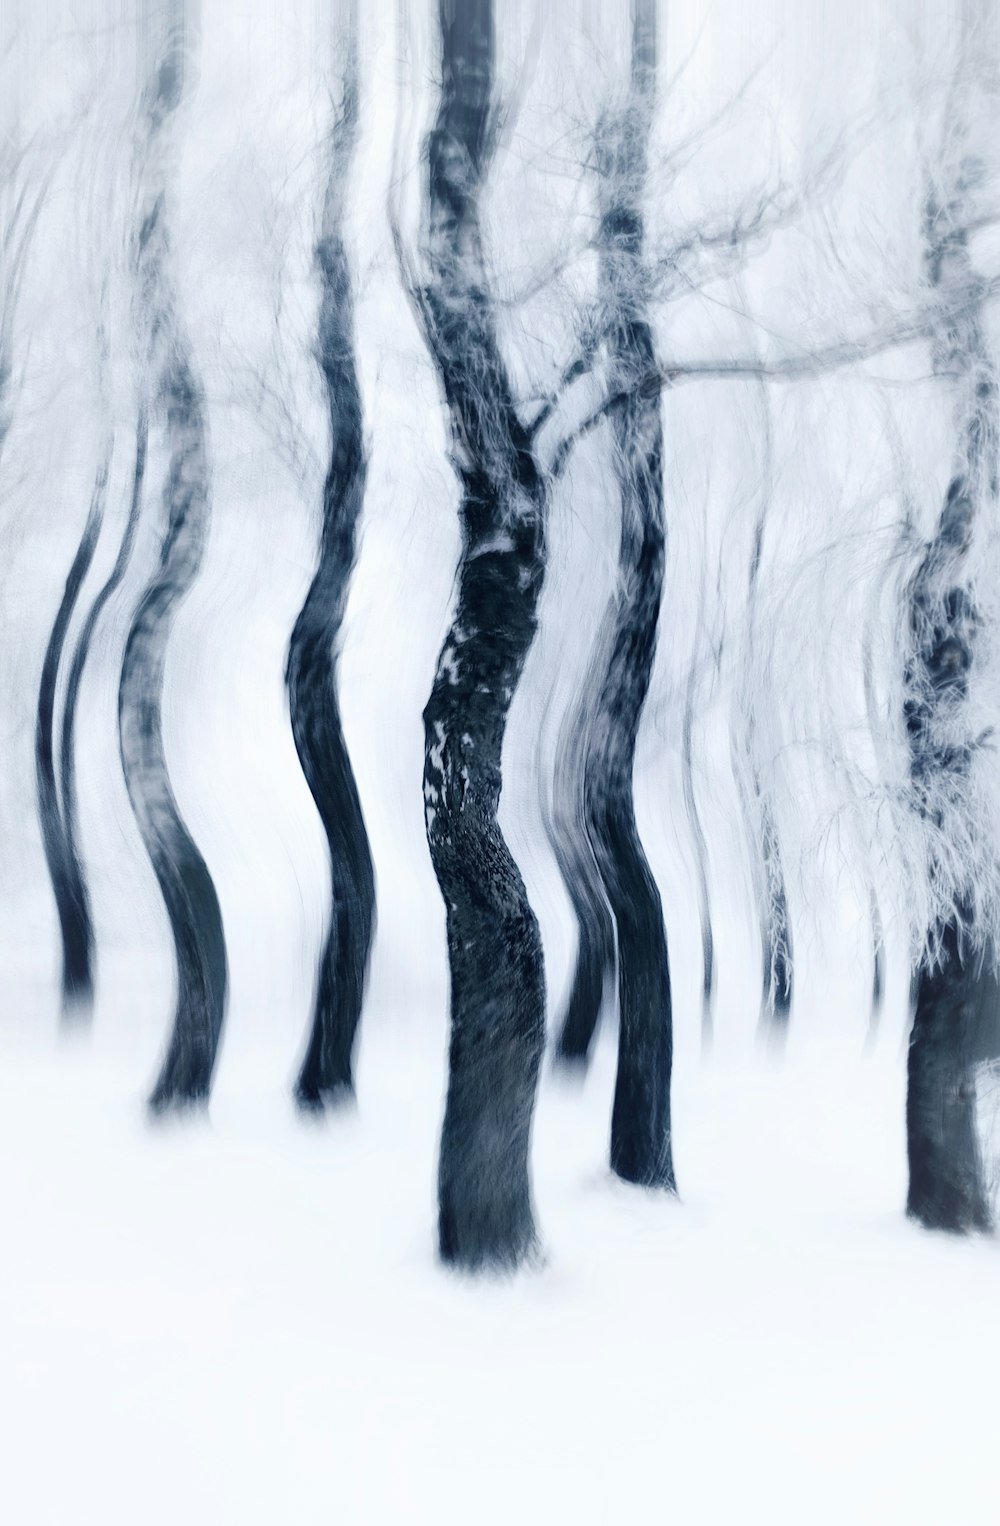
<point x="58" y="834"/>
<point x="185" y="883"/>
<point x="640" y="1121"/>
<point x="327" y="1070"/>
<point x="946" y="1188"/>
<point x="618" y="911"/>
<point x="494" y="947"/>
<point x="952" y="990"/>
<point x="81" y="925"/>
<point x="593" y="832"/>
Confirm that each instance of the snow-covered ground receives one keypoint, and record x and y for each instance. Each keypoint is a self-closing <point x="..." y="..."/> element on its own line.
<point x="241" y="1319"/>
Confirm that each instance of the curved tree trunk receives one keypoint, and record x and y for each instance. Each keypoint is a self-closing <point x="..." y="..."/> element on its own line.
<point x="593" y="830"/>
<point x="58" y="832"/>
<point x="327" y="1070"/>
<point x="494" y="947"/>
<point x="185" y="883"/>
<point x="81" y="926"/>
<point x="640" y="1121"/>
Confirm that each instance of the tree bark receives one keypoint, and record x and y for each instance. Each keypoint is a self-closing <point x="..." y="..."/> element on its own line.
<point x="185" y="883"/>
<point x="327" y="1073"/>
<point x="954" y="980"/>
<point x="640" y="1121"/>
<point x="946" y="1189"/>
<point x="494" y="947"/>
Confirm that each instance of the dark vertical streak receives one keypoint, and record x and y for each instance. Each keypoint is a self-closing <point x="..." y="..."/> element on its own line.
<point x="878" y="963"/>
<point x="874" y="910"/>
<point x="494" y="947"/>
<point x="776" y="934"/>
<point x="184" y="881"/>
<point x="327" y="1071"/>
<point x="58" y="830"/>
<point x="700" y="851"/>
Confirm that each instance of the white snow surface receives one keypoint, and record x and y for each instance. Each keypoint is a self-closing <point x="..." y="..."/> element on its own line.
<point x="242" y="1320"/>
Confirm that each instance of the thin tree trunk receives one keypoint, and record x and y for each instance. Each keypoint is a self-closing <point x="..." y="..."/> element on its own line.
<point x="58" y="834"/>
<point x="640" y="1121"/>
<point x="698" y="833"/>
<point x="185" y="883"/>
<point x="80" y="899"/>
<point x="327" y="1070"/>
<point x="494" y="947"/>
<point x="769" y="872"/>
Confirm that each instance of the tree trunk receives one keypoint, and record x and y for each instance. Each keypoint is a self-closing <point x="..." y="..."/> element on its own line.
<point x="58" y="836"/>
<point x="596" y="961"/>
<point x="184" y="881"/>
<point x="327" y="1070"/>
<point x="954" y="979"/>
<point x="83" y="936"/>
<point x="946" y="1188"/>
<point x="640" y="1121"/>
<point x="494" y="947"/>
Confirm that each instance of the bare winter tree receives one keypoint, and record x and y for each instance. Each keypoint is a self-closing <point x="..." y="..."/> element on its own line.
<point x="616" y="899"/>
<point x="177" y="412"/>
<point x="494" y="948"/>
<point x="56" y="785"/>
<point x="327" y="1071"/>
<point x="955" y="984"/>
<point x="55" y="761"/>
<point x="23" y="191"/>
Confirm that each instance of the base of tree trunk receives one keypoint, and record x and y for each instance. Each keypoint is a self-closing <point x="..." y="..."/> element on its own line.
<point x="177" y="1099"/>
<point x="595" y="961"/>
<point x="330" y="1097"/>
<point x="486" y="1231"/>
<point x="77" y="1005"/>
<point x="485" y="1211"/>
<point x="946" y="1187"/>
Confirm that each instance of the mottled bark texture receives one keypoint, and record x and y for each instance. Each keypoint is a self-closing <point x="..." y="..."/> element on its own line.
<point x="177" y="411"/>
<point x="954" y="983"/>
<point x="327" y="1070"/>
<point x="598" y="827"/>
<point x="494" y="947"/>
